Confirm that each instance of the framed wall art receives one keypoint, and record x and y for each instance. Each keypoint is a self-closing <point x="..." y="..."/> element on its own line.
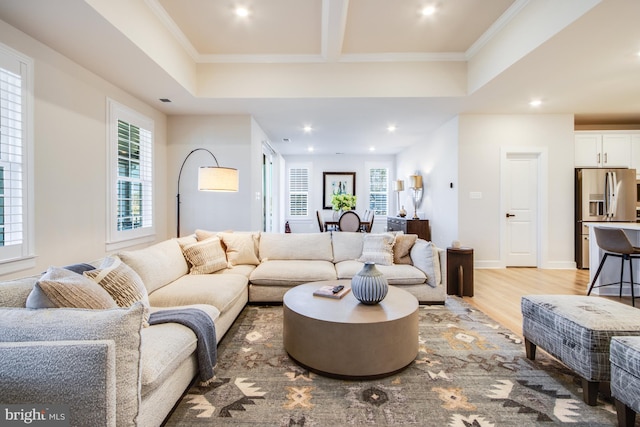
<point x="337" y="183"/>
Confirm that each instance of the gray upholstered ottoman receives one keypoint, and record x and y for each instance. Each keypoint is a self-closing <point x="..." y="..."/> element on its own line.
<point x="625" y="378"/>
<point x="577" y="331"/>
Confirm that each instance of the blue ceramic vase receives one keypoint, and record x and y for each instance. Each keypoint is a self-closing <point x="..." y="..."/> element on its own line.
<point x="369" y="286"/>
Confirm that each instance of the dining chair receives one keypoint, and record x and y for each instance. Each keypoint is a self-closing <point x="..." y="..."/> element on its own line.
<point x="369" y="226"/>
<point x="321" y="224"/>
<point x="349" y="221"/>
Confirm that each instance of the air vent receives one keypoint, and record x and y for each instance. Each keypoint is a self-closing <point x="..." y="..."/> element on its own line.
<point x="165" y="100"/>
<point x="286" y="140"/>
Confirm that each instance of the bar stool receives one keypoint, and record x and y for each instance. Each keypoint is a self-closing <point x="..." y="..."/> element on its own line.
<point x="616" y="243"/>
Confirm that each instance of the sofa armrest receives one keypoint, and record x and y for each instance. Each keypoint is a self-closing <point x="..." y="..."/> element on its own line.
<point x="78" y="374"/>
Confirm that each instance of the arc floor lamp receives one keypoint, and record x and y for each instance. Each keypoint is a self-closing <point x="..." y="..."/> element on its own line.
<point x="210" y="178"/>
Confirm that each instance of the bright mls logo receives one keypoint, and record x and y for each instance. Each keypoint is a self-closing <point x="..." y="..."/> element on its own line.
<point x="34" y="415"/>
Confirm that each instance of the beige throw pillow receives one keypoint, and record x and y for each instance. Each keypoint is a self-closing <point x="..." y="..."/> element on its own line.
<point x="59" y="287"/>
<point x="402" y="248"/>
<point x="378" y="248"/>
<point x="121" y="282"/>
<point x="206" y="256"/>
<point x="242" y="248"/>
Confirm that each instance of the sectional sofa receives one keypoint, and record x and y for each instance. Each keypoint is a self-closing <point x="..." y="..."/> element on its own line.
<point x="130" y="373"/>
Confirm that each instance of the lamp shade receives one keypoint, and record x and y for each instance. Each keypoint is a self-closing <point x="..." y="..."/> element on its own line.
<point x="398" y="185"/>
<point x="416" y="181"/>
<point x="215" y="178"/>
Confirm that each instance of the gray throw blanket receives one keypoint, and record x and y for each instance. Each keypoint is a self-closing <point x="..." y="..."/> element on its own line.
<point x="202" y="325"/>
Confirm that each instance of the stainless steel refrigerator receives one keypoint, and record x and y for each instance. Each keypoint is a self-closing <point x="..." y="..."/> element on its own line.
<point x="602" y="195"/>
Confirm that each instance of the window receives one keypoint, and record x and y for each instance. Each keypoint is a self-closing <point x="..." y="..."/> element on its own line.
<point x="131" y="176"/>
<point x="299" y="192"/>
<point x="16" y="188"/>
<point x="378" y="189"/>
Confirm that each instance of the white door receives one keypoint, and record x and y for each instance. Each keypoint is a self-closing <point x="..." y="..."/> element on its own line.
<point x="521" y="209"/>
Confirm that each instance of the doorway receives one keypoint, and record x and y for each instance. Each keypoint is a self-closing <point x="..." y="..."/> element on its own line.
<point x="523" y="174"/>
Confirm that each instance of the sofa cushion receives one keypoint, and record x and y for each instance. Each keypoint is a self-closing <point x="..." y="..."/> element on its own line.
<point x="158" y="264"/>
<point x="60" y="287"/>
<point x="123" y="326"/>
<point x="402" y="248"/>
<point x="347" y="245"/>
<point x="218" y="290"/>
<point x="244" y="269"/>
<point x="378" y="248"/>
<point x="425" y="256"/>
<point x="292" y="272"/>
<point x="399" y="274"/>
<point x="296" y="246"/>
<point x="206" y="256"/>
<point x="165" y="346"/>
<point x="121" y="282"/>
<point x="241" y="247"/>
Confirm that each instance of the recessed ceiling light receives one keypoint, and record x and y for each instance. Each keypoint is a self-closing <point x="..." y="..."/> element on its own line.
<point x="428" y="10"/>
<point x="310" y="149"/>
<point x="307" y="129"/>
<point x="391" y="128"/>
<point x="372" y="148"/>
<point x="535" y="103"/>
<point x="242" y="11"/>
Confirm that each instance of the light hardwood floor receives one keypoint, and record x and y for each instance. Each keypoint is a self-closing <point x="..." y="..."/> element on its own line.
<point x="497" y="292"/>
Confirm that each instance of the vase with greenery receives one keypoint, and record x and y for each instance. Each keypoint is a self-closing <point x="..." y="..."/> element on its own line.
<point x="342" y="202"/>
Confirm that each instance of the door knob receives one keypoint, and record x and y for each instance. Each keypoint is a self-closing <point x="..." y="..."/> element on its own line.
<point x="510" y="215"/>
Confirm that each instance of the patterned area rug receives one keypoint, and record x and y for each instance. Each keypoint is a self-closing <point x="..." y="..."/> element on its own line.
<point x="469" y="371"/>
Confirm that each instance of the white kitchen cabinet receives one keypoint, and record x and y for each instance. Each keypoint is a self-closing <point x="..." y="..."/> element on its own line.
<point x="598" y="150"/>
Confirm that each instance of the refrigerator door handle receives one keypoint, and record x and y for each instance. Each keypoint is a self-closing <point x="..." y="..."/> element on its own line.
<point x="614" y="194"/>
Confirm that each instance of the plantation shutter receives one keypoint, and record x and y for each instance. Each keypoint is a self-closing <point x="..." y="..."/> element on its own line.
<point x="134" y="177"/>
<point x="11" y="155"/>
<point x="298" y="192"/>
<point x="378" y="189"/>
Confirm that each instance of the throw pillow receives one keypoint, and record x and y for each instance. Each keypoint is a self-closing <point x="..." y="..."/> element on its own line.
<point x="402" y="248"/>
<point x="425" y="257"/>
<point x="60" y="287"/>
<point x="79" y="268"/>
<point x="206" y="256"/>
<point x="242" y="248"/>
<point x="121" y="282"/>
<point x="378" y="248"/>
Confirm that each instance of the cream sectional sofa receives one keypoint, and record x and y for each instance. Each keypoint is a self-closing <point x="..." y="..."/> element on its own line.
<point x="129" y="374"/>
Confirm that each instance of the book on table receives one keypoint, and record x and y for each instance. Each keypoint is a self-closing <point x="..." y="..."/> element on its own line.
<point x="331" y="292"/>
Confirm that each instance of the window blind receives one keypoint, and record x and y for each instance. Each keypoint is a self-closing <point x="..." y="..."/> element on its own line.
<point x="11" y="159"/>
<point x="378" y="190"/>
<point x="134" y="187"/>
<point x="298" y="192"/>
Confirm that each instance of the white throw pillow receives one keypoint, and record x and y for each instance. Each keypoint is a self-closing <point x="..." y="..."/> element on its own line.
<point x="242" y="248"/>
<point x="378" y="248"/>
<point x="425" y="257"/>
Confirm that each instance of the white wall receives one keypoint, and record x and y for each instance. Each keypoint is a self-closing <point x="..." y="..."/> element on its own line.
<point x="229" y="138"/>
<point x="70" y="154"/>
<point x="338" y="163"/>
<point x="436" y="159"/>
<point x="481" y="138"/>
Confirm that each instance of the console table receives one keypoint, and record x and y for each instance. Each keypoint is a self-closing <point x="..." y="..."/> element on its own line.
<point x="410" y="226"/>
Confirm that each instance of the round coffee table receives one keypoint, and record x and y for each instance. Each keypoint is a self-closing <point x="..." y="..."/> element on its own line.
<point x="344" y="338"/>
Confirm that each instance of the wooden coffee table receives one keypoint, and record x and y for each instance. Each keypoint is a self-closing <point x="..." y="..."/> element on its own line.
<point x="344" y="338"/>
